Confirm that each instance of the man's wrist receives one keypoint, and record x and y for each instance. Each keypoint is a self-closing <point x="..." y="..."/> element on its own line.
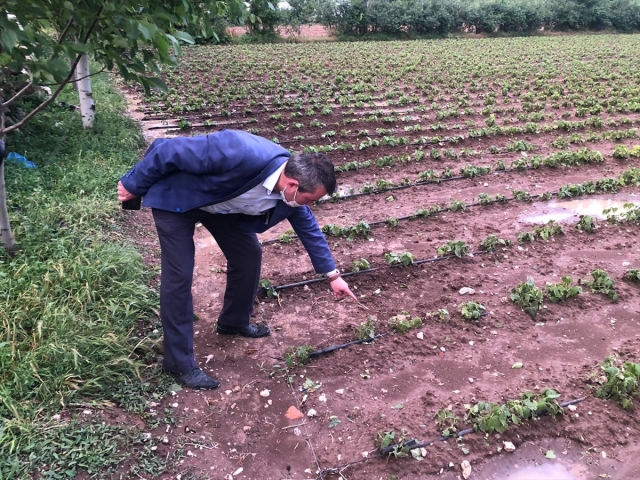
<point x="333" y="275"/>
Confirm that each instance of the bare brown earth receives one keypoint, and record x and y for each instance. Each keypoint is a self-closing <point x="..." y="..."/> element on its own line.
<point x="400" y="381"/>
<point x="410" y="379"/>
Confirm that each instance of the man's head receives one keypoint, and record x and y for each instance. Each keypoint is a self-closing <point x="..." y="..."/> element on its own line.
<point x="307" y="177"/>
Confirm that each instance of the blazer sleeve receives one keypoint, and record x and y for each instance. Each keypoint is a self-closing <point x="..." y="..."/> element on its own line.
<point x="167" y="156"/>
<point x="306" y="227"/>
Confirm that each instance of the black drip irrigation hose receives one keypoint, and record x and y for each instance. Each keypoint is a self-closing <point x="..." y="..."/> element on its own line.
<point x="333" y="348"/>
<point x="263" y="290"/>
<point x="413" y="444"/>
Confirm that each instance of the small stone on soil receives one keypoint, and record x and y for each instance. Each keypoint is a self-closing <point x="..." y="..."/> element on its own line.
<point x="466" y="469"/>
<point x="509" y="447"/>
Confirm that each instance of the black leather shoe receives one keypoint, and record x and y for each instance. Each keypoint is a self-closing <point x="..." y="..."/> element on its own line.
<point x="252" y="330"/>
<point x="196" y="379"/>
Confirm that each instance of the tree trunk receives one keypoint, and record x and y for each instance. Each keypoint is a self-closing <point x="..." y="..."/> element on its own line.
<point x="87" y="107"/>
<point x="6" y="235"/>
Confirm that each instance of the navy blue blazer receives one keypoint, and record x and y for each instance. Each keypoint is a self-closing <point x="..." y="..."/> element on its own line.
<point x="184" y="173"/>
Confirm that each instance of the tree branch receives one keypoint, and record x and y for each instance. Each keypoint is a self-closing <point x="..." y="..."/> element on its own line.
<point x="95" y="21"/>
<point x="16" y="96"/>
<point x="65" y="31"/>
<point x="59" y="89"/>
<point x="103" y="69"/>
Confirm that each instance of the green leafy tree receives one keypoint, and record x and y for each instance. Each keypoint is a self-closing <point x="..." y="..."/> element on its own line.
<point x="267" y="16"/>
<point x="43" y="41"/>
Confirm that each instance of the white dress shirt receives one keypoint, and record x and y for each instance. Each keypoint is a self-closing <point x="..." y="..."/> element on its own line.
<point x="252" y="202"/>
<point x="255" y="201"/>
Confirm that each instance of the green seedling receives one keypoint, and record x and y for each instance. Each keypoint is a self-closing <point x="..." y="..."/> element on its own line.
<point x="545" y="232"/>
<point x="297" y="356"/>
<point x="549" y="230"/>
<point x="359" y="230"/>
<point x="403" y="322"/>
<point x="500" y="198"/>
<point x="429" y="175"/>
<point x="382" y="185"/>
<point x="366" y="329"/>
<point x="391" y="222"/>
<point x="334" y="421"/>
<point x="384" y="439"/>
<point x="471" y="171"/>
<point x="362" y="264"/>
<point x="631" y="213"/>
<point x="404" y="258"/>
<point x="521" y="196"/>
<point x="471" y="310"/>
<point x="603" y="283"/>
<point x="526" y="237"/>
<point x="286" y="237"/>
<point x="572" y="190"/>
<point x="558" y="292"/>
<point x="586" y="223"/>
<point x="426" y="212"/>
<point x="487" y="417"/>
<point x="442" y="314"/>
<point x="617" y="382"/>
<point x="310" y="386"/>
<point x="453" y="247"/>
<point x="446" y="422"/>
<point x="485" y="199"/>
<point x="457" y="205"/>
<point x="490" y="243"/>
<point x="632" y="275"/>
<point x="270" y="290"/>
<point x="527" y="296"/>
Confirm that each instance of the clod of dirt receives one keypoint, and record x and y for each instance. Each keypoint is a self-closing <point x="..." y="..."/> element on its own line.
<point x="509" y="447"/>
<point x="312" y="413"/>
<point x="466" y="291"/>
<point x="293" y="413"/>
<point x="265" y="393"/>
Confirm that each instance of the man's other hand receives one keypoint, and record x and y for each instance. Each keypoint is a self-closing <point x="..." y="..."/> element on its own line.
<point x="123" y="194"/>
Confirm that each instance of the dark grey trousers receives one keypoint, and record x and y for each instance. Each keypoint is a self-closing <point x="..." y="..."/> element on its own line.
<point x="244" y="257"/>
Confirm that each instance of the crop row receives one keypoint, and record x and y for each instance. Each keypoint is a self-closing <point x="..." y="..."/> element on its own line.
<point x="446" y="78"/>
<point x="629" y="177"/>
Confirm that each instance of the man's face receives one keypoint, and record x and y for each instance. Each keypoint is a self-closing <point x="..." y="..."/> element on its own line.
<point x="304" y="198"/>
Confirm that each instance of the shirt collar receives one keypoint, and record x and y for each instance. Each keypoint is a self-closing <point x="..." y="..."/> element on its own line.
<point x="270" y="183"/>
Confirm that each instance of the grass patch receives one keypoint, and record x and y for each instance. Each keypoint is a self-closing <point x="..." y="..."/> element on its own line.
<point x="73" y="299"/>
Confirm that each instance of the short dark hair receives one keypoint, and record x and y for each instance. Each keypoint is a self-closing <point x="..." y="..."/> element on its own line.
<point x="312" y="170"/>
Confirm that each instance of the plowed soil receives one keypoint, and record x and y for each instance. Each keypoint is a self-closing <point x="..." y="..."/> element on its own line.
<point x="400" y="381"/>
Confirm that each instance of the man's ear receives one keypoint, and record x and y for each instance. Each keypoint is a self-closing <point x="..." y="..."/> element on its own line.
<point x="292" y="183"/>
